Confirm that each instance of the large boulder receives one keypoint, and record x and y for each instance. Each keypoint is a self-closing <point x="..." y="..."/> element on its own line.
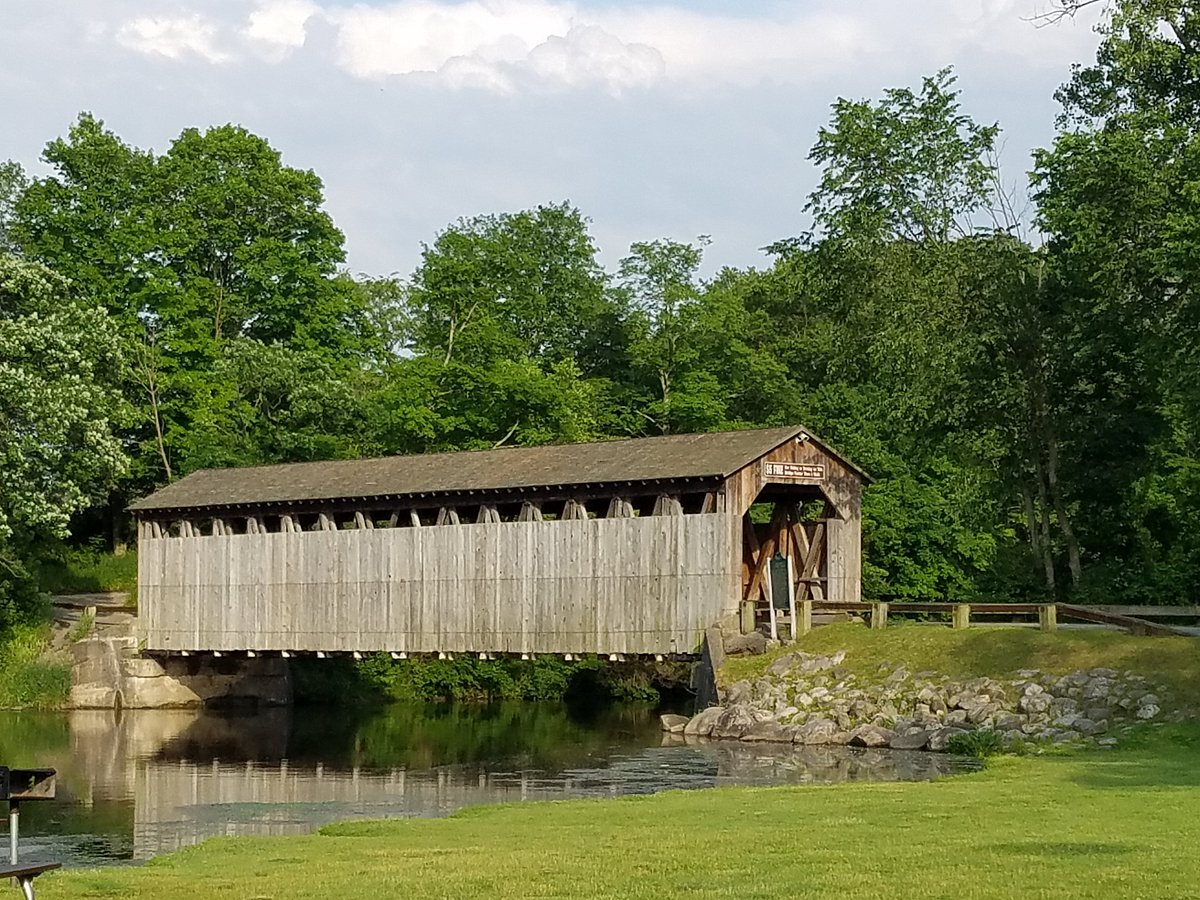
<point x="734" y="722"/>
<point x="939" y="739"/>
<point x="754" y="643"/>
<point x="701" y="724"/>
<point x="871" y="736"/>
<point x="917" y="739"/>
<point x="816" y="731"/>
<point x="672" y="723"/>
<point x="768" y="732"/>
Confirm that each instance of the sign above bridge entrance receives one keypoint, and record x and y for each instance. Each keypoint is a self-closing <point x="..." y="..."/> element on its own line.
<point x="795" y="471"/>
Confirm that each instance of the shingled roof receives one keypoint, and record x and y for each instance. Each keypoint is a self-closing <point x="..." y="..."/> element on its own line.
<point x="654" y="459"/>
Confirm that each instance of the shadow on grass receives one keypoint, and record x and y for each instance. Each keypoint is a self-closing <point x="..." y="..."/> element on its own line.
<point x="1142" y="773"/>
<point x="1060" y="849"/>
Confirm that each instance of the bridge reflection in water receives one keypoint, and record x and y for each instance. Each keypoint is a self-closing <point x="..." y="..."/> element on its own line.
<point x="192" y="775"/>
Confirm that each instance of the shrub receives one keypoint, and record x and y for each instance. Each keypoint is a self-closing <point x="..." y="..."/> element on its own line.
<point x="981" y="744"/>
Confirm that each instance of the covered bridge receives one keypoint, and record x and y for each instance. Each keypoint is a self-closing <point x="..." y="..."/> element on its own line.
<point x="617" y="547"/>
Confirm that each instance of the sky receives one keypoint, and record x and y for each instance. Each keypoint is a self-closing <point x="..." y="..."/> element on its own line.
<point x="659" y="119"/>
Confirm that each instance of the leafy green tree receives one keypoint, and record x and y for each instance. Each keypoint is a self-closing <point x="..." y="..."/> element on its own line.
<point x="59" y="451"/>
<point x="911" y="166"/>
<point x="215" y="241"/>
<point x="1116" y="197"/>
<point x="512" y="286"/>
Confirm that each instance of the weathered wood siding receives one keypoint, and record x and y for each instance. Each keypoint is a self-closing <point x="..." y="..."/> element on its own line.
<point x="650" y="584"/>
<point x="839" y="485"/>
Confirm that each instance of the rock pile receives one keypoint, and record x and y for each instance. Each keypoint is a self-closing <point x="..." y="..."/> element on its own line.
<point x="807" y="699"/>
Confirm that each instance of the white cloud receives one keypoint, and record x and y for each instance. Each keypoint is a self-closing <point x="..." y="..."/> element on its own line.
<point x="280" y="26"/>
<point x="173" y="37"/>
<point x="513" y="45"/>
<point x="589" y="55"/>
<point x="423" y="36"/>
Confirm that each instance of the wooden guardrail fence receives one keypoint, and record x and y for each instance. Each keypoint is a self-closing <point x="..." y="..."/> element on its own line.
<point x="961" y="614"/>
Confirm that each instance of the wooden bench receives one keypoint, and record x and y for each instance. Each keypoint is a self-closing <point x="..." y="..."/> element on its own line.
<point x="25" y="875"/>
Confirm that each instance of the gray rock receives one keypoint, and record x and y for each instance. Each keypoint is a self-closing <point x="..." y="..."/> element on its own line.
<point x="782" y="665"/>
<point x="738" y="693"/>
<point x="1149" y="711"/>
<point x="940" y="738"/>
<point x="734" y="722"/>
<point x="980" y="714"/>
<point x="672" y="723"/>
<point x="768" y="732"/>
<point x="871" y="736"/>
<point x="1006" y="721"/>
<point x="913" y="740"/>
<point x="752" y="644"/>
<point x="1034" y="703"/>
<point x="810" y="665"/>
<point x="815" y="731"/>
<point x="701" y="724"/>
<point x="956" y="717"/>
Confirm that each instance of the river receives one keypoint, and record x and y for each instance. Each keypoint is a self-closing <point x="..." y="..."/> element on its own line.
<point x="138" y="784"/>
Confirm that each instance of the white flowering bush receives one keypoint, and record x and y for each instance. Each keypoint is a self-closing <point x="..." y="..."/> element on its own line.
<point x="60" y="369"/>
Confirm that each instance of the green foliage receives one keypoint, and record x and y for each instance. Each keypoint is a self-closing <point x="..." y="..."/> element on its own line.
<point x="59" y="413"/>
<point x="981" y="743"/>
<point x="85" y="570"/>
<point x="30" y="678"/>
<point x="911" y="166"/>
<point x="379" y="678"/>
<point x="1030" y="415"/>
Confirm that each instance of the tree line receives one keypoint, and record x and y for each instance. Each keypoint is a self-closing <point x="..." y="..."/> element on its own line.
<point x="1027" y="398"/>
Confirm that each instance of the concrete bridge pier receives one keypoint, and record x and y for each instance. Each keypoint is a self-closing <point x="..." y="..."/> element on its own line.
<point x="112" y="673"/>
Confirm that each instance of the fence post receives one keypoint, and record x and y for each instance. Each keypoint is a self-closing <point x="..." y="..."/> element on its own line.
<point x="804" y="626"/>
<point x="879" y="614"/>
<point x="746" y="618"/>
<point x="962" y="616"/>
<point x="1048" y="617"/>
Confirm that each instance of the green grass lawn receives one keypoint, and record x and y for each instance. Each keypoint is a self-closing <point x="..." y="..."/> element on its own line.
<point x="996" y="651"/>
<point x="1101" y="825"/>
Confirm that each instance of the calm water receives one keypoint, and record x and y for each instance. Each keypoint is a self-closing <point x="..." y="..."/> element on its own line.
<point x="147" y="782"/>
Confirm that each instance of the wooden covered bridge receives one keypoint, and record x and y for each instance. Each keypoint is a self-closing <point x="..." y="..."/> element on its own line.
<point x="617" y="547"/>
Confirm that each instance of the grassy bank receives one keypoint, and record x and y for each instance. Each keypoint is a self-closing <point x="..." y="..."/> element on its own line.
<point x="31" y="676"/>
<point x="993" y="651"/>
<point x="1098" y="825"/>
<point x="79" y="570"/>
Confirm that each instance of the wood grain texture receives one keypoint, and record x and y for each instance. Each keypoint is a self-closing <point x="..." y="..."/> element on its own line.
<point x="648" y="584"/>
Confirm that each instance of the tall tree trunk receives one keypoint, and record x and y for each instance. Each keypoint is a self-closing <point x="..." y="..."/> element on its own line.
<point x="1060" y="509"/>
<point x="1047" y="546"/>
<point x="1039" y="550"/>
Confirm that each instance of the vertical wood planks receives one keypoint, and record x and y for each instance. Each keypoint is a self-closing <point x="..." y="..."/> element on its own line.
<point x="648" y="584"/>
